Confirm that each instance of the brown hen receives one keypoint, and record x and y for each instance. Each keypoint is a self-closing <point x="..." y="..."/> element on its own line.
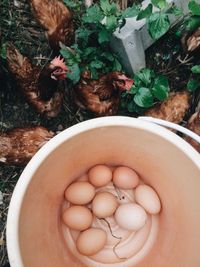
<point x="101" y="96"/>
<point x="194" y="125"/>
<point x="172" y="109"/>
<point x="38" y="85"/>
<point x="57" y="21"/>
<point x="19" y="145"/>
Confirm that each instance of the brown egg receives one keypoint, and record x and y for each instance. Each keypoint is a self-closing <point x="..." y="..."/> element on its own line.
<point x="80" y="193"/>
<point x="91" y="241"/>
<point x="77" y="218"/>
<point x="125" y="178"/>
<point x="104" y="204"/>
<point x="100" y="175"/>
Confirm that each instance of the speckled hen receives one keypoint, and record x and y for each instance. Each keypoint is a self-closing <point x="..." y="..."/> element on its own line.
<point x="172" y="109"/>
<point x="57" y="21"/>
<point x="37" y="84"/>
<point x="101" y="96"/>
<point x="19" y="145"/>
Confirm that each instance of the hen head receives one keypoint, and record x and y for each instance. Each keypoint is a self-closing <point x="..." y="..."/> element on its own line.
<point x="120" y="81"/>
<point x="58" y="68"/>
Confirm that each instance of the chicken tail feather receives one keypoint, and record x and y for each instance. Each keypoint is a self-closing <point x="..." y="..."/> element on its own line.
<point x="50" y="13"/>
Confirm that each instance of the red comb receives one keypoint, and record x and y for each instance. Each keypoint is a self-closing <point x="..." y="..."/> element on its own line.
<point x="59" y="62"/>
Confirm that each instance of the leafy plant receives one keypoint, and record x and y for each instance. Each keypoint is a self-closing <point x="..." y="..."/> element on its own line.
<point x="192" y="20"/>
<point x="147" y="89"/>
<point x="3" y="51"/>
<point x="158" y="21"/>
<point x="92" y="51"/>
<point x="194" y="82"/>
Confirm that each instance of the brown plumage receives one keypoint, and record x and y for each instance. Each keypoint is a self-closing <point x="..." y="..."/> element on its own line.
<point x="57" y="21"/>
<point x="39" y="85"/>
<point x="194" y="125"/>
<point x="101" y="96"/>
<point x="19" y="145"/>
<point x="191" y="41"/>
<point x="172" y="109"/>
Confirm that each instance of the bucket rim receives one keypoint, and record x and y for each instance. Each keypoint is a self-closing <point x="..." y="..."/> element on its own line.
<point x="12" y="236"/>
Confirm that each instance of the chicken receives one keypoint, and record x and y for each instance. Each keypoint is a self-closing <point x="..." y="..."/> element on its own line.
<point x="191" y="41"/>
<point x="57" y="21"/>
<point x="101" y="96"/>
<point x="38" y="85"/>
<point x="194" y="125"/>
<point x="19" y="145"/>
<point x="172" y="109"/>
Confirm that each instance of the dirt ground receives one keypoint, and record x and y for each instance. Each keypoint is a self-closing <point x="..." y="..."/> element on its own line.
<point x="18" y="26"/>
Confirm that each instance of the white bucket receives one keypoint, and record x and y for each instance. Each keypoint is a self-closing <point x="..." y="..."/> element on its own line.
<point x="164" y="161"/>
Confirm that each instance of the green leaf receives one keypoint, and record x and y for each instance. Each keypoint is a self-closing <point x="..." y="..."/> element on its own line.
<point x="89" y="50"/>
<point x="133" y="107"/>
<point x="193" y="85"/>
<point x="93" y="14"/>
<point x="145" y="76"/>
<point x="72" y="4"/>
<point x="74" y="74"/>
<point x="159" y="3"/>
<point x="193" y="23"/>
<point x="105" y="6"/>
<point x="116" y="65"/>
<point x="158" y="24"/>
<point x="195" y="69"/>
<point x="130" y="12"/>
<point x="94" y="73"/>
<point x="96" y="64"/>
<point x="103" y="36"/>
<point x="160" y="89"/>
<point x="144" y="98"/>
<point x="83" y="34"/>
<point x="111" y="23"/>
<point x="175" y="10"/>
<point x="145" y="13"/>
<point x="108" y="56"/>
<point x="133" y="90"/>
<point x="194" y="7"/>
<point x="3" y="51"/>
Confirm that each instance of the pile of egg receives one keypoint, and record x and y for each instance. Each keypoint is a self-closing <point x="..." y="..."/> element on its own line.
<point x="87" y="202"/>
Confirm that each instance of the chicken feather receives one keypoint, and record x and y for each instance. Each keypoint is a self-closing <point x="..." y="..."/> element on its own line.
<point x="173" y="109"/>
<point x="19" y="145"/>
<point x="101" y="96"/>
<point x="36" y="83"/>
<point x="57" y="21"/>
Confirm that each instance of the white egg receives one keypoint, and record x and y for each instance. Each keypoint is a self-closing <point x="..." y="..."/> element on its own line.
<point x="130" y="216"/>
<point x="147" y="197"/>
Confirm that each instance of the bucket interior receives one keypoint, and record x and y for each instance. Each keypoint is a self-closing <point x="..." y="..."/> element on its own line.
<point x="159" y="162"/>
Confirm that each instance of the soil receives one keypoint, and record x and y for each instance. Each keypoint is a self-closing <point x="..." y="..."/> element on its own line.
<point x="18" y="26"/>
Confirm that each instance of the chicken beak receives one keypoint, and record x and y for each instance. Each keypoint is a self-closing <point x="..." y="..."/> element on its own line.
<point x="59" y="74"/>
